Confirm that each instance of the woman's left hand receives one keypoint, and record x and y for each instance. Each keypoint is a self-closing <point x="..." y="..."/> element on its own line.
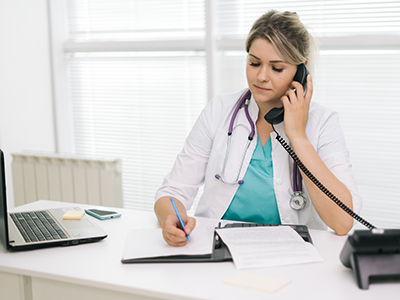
<point x="297" y="105"/>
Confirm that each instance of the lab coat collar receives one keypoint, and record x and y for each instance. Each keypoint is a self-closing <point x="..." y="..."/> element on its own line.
<point x="253" y="109"/>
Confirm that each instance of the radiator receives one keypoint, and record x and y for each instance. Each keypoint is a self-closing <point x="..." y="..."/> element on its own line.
<point x="66" y="178"/>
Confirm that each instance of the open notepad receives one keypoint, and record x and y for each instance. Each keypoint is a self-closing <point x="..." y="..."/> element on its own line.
<point x="262" y="242"/>
<point x="148" y="245"/>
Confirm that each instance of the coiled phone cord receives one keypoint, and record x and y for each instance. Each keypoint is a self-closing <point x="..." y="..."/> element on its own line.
<point x="319" y="184"/>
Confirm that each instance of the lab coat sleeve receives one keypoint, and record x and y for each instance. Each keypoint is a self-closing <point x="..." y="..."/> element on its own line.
<point x="188" y="172"/>
<point x="333" y="151"/>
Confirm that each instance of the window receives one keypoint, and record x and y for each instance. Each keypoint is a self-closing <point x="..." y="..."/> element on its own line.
<point x="137" y="81"/>
<point x="137" y="74"/>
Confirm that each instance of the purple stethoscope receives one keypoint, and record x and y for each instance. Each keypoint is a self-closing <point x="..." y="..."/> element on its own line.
<point x="244" y="102"/>
<point x="297" y="201"/>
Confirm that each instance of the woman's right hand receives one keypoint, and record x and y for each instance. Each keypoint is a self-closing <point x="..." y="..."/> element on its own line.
<point x="172" y="230"/>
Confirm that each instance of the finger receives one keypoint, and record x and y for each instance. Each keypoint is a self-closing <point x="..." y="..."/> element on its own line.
<point x="310" y="88"/>
<point x="176" y="238"/>
<point x="190" y="224"/>
<point x="291" y="95"/>
<point x="285" y="100"/>
<point x="173" y="228"/>
<point x="182" y="238"/>
<point x="172" y="232"/>
<point x="174" y="242"/>
<point x="296" y="85"/>
<point x="298" y="89"/>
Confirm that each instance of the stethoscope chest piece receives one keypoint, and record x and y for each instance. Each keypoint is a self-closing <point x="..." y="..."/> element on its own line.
<point x="298" y="201"/>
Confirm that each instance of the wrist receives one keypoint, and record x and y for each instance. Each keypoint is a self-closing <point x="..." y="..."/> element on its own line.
<point x="298" y="138"/>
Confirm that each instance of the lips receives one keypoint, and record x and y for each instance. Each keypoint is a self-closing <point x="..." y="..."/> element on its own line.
<point x="262" y="89"/>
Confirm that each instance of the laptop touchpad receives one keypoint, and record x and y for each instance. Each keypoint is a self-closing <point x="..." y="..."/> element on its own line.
<point x="71" y="224"/>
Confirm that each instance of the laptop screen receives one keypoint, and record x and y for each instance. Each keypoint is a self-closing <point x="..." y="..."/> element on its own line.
<point x="3" y="203"/>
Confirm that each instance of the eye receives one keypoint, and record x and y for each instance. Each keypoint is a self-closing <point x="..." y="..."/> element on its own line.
<point x="277" y="70"/>
<point x="254" y="64"/>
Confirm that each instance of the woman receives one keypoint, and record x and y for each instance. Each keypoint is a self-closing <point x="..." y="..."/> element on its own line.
<point x="277" y="44"/>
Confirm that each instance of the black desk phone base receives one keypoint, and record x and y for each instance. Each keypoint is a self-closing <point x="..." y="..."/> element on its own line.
<point x="373" y="254"/>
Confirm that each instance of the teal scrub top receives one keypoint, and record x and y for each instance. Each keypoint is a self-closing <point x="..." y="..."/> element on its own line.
<point x="255" y="199"/>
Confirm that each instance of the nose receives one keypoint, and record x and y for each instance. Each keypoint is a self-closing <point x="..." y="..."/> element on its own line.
<point x="263" y="74"/>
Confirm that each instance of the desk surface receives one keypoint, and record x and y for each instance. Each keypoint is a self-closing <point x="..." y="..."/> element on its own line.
<point x="99" y="265"/>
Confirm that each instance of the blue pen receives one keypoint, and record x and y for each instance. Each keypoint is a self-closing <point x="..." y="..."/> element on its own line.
<point x="179" y="217"/>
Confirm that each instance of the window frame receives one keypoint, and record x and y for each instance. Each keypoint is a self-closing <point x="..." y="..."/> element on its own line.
<point x="211" y="44"/>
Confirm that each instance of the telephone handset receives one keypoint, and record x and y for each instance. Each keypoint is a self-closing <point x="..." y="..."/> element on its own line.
<point x="301" y="75"/>
<point x="275" y="115"/>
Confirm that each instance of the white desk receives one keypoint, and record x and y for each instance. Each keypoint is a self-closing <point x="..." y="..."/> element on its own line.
<point x="94" y="271"/>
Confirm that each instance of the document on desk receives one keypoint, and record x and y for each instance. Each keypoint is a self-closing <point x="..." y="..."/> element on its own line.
<point x="148" y="243"/>
<point x="255" y="247"/>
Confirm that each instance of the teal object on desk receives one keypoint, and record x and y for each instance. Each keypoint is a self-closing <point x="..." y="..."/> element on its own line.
<point x="179" y="217"/>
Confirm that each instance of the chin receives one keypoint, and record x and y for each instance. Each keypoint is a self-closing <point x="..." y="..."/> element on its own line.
<point x="268" y="101"/>
<point x="262" y="98"/>
<point x="266" y="97"/>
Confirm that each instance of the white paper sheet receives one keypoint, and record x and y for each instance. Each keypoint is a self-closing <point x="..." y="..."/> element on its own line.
<point x="149" y="242"/>
<point x="255" y="247"/>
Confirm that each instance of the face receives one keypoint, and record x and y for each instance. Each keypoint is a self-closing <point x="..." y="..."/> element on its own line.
<point x="268" y="75"/>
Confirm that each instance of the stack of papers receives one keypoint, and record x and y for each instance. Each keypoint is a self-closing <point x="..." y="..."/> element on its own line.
<point x="256" y="247"/>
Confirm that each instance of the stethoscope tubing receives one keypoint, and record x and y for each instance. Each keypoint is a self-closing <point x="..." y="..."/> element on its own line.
<point x="244" y="101"/>
<point x="297" y="187"/>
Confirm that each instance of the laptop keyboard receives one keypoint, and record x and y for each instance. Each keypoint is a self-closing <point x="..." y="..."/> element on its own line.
<point x="37" y="226"/>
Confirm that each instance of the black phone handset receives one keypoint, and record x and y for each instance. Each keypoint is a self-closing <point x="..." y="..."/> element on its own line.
<point x="275" y="116"/>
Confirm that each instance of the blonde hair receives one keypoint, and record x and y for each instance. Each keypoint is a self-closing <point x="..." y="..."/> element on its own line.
<point x="288" y="35"/>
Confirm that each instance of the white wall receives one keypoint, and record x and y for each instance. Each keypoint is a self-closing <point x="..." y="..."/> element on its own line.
<point x="26" y="104"/>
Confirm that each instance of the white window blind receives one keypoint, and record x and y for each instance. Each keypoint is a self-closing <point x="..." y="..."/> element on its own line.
<point x="364" y="87"/>
<point x="332" y="18"/>
<point x="124" y="20"/>
<point x="135" y="105"/>
<point x="139" y="74"/>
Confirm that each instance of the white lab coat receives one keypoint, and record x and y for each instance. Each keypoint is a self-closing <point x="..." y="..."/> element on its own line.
<point x="204" y="152"/>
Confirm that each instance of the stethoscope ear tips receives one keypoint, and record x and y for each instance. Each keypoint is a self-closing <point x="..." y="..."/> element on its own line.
<point x="220" y="178"/>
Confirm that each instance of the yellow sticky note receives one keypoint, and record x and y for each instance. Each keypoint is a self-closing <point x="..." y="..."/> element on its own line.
<point x="257" y="281"/>
<point x="73" y="215"/>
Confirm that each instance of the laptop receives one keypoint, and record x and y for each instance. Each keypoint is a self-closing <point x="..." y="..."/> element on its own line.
<point x="42" y="228"/>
